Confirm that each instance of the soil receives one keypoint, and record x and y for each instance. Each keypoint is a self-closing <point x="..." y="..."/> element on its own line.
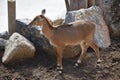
<point x="43" y="67"/>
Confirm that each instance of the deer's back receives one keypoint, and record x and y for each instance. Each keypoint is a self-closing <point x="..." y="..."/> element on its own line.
<point x="77" y="31"/>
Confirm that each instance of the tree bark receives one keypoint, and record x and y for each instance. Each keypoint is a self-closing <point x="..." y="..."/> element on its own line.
<point x="75" y="4"/>
<point x="11" y="16"/>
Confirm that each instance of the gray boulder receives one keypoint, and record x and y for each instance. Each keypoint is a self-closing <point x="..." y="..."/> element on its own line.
<point x="111" y="13"/>
<point x="17" y="48"/>
<point x="94" y="14"/>
<point x="115" y="21"/>
<point x="2" y="44"/>
<point x="4" y="35"/>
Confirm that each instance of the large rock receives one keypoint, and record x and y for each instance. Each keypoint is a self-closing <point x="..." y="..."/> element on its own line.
<point x="92" y="14"/>
<point x="41" y="43"/>
<point x="115" y="21"/>
<point x="111" y="13"/>
<point x="4" y="35"/>
<point x="2" y="44"/>
<point x="17" y="48"/>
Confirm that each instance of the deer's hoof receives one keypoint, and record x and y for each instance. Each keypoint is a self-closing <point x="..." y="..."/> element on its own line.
<point x="77" y="65"/>
<point x="60" y="72"/>
<point x="59" y="69"/>
<point x="98" y="65"/>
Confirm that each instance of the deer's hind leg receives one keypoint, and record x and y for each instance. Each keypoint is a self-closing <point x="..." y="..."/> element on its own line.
<point x="96" y="49"/>
<point x="84" y="47"/>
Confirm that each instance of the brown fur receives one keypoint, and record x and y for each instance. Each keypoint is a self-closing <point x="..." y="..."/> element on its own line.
<point x="79" y="32"/>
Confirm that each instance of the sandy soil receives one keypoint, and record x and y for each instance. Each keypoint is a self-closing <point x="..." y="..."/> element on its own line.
<point x="43" y="67"/>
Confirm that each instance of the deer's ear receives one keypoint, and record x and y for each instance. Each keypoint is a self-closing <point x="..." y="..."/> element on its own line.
<point x="43" y="11"/>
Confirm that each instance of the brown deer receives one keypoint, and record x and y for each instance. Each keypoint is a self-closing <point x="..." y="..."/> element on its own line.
<point x="76" y="33"/>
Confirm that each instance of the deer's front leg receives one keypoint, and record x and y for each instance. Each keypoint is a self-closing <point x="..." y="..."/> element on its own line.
<point x="59" y="59"/>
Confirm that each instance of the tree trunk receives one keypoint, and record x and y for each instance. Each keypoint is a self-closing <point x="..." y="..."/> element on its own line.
<point x="11" y="16"/>
<point x="78" y="4"/>
<point x="75" y="4"/>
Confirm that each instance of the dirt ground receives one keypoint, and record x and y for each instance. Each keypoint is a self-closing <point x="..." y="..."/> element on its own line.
<point x="43" y="67"/>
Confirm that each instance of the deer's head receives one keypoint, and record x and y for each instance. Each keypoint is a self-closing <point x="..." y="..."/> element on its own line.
<point x="39" y="20"/>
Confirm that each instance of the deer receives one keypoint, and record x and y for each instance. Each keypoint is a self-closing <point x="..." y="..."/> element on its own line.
<point x="76" y="33"/>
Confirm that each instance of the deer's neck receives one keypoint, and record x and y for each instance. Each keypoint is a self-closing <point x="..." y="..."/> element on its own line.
<point x="47" y="29"/>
